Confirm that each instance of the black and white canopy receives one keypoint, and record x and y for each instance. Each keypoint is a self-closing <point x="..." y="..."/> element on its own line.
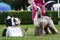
<point x="49" y="4"/>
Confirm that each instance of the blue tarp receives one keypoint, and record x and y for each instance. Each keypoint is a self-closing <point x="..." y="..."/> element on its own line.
<point x="4" y="7"/>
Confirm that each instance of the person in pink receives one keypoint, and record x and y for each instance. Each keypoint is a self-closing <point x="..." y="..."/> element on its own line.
<point x="38" y="3"/>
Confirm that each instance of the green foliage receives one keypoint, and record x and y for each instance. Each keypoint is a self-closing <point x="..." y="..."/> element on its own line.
<point x="3" y="16"/>
<point x="25" y="16"/>
<point x="53" y="15"/>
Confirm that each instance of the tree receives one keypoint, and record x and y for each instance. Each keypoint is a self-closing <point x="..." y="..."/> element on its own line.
<point x="17" y="4"/>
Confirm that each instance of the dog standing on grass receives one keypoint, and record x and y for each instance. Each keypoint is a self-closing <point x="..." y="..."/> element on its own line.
<point x="42" y="23"/>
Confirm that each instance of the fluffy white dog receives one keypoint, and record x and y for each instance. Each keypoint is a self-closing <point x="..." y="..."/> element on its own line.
<point x="42" y="23"/>
<point x="12" y="30"/>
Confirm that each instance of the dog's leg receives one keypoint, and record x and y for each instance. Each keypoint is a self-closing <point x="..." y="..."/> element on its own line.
<point x="46" y="30"/>
<point x="36" y="31"/>
<point x="41" y="29"/>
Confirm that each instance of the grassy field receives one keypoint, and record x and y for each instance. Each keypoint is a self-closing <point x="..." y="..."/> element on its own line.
<point x="30" y="34"/>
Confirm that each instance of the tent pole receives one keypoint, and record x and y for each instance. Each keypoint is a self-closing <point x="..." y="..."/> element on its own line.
<point x="58" y="8"/>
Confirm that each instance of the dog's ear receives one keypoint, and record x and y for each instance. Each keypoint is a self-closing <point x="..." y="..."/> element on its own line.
<point x="8" y="17"/>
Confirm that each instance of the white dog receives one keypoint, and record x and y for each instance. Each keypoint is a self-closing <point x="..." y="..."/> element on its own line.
<point x="42" y="23"/>
<point x="12" y="29"/>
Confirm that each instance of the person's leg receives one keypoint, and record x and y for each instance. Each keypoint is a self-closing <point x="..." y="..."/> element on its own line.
<point x="33" y="12"/>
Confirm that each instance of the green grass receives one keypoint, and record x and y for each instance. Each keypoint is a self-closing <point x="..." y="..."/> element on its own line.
<point x="30" y="34"/>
